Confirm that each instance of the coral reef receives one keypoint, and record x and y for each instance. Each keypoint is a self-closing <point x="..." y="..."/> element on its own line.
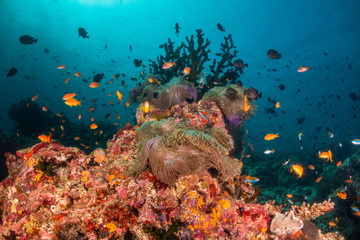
<point x="285" y="224"/>
<point x="58" y="192"/>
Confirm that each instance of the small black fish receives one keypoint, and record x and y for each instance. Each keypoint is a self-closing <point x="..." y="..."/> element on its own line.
<point x="26" y="39"/>
<point x="130" y="48"/>
<point x="240" y="64"/>
<point x="177" y="27"/>
<point x="269" y="110"/>
<point x="137" y="62"/>
<point x="353" y="96"/>
<point x="105" y="46"/>
<point x="12" y="72"/>
<point x="273" y="54"/>
<point x="83" y="33"/>
<point x="46" y="51"/>
<point x="282" y="87"/>
<point x="98" y="77"/>
<point x="325" y="53"/>
<point x="300" y="120"/>
<point x="220" y="27"/>
<point x="107" y="115"/>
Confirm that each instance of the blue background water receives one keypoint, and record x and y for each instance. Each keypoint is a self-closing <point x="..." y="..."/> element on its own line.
<point x="302" y="32"/>
<point x="324" y="35"/>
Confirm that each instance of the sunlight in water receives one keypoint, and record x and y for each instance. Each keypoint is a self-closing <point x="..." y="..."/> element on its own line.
<point x="102" y="2"/>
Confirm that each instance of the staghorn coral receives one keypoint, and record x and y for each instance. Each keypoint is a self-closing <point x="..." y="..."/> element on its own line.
<point x="178" y="150"/>
<point x="285" y="224"/>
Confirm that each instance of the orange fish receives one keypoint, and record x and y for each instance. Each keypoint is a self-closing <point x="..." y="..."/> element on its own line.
<point x="79" y="117"/>
<point x="349" y="180"/>
<point x="44" y="108"/>
<point x="186" y="71"/>
<point x="78" y="74"/>
<point x="111" y="103"/>
<point x="270" y="136"/>
<point x="326" y="155"/>
<point x="277" y="105"/>
<point x="311" y="167"/>
<point x="168" y="65"/>
<point x="246" y="105"/>
<point x="338" y="163"/>
<point x="341" y="195"/>
<point x="145" y="107"/>
<point x="303" y="69"/>
<point x="69" y="96"/>
<point x="45" y="138"/>
<point x="66" y="81"/>
<point x="115" y="77"/>
<point x="77" y="138"/>
<point x="110" y="94"/>
<point x="94" y="85"/>
<point x="119" y="95"/>
<point x="34" y="97"/>
<point x="73" y="102"/>
<point x="286" y="163"/>
<point x="289" y="195"/>
<point x="93" y="126"/>
<point x="127" y="104"/>
<point x="318" y="179"/>
<point x="299" y="170"/>
<point x="332" y="224"/>
<point x="91" y="109"/>
<point x="92" y="119"/>
<point x="61" y="67"/>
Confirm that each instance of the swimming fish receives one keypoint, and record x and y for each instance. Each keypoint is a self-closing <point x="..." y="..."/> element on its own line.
<point x="168" y="65"/>
<point x="299" y="170"/>
<point x="61" y="67"/>
<point x="94" y="85"/>
<point x="332" y="224"/>
<point x="338" y="163"/>
<point x="83" y="33"/>
<point x="26" y="39"/>
<point x="341" y="195"/>
<point x="69" y="96"/>
<point x="252" y="93"/>
<point x="300" y="135"/>
<point x="44" y="108"/>
<point x="318" y="179"/>
<point x="177" y="27"/>
<point x="277" y="105"/>
<point x="251" y="179"/>
<point x="93" y="126"/>
<point x="72" y="102"/>
<point x="331" y="135"/>
<point x="79" y="117"/>
<point x="119" y="95"/>
<point x="12" y="72"/>
<point x="220" y="27"/>
<point x="311" y="167"/>
<point x="45" y="138"/>
<point x="269" y="151"/>
<point x="326" y="155"/>
<point x="78" y="74"/>
<point x="289" y="195"/>
<point x="273" y="54"/>
<point x="356" y="141"/>
<point x="186" y="71"/>
<point x="145" y="107"/>
<point x="270" y="136"/>
<point x="287" y="162"/>
<point x="34" y="97"/>
<point x="67" y="80"/>
<point x="303" y="69"/>
<point x="246" y="105"/>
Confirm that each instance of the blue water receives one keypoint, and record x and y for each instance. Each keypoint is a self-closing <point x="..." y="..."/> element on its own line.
<point x="321" y="34"/>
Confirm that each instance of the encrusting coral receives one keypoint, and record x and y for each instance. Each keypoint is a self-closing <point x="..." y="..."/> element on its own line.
<point x="172" y="149"/>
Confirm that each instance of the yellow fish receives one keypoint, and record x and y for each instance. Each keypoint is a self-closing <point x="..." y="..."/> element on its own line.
<point x="246" y="105"/>
<point x="119" y="95"/>
<point x="299" y="170"/>
<point x="73" y="102"/>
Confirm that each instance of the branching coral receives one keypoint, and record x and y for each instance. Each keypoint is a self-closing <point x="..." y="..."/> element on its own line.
<point x="178" y="150"/>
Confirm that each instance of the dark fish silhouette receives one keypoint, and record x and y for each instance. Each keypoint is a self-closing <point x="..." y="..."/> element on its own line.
<point x="26" y="39"/>
<point x="240" y="64"/>
<point x="137" y="62"/>
<point x="82" y="33"/>
<point x="300" y="120"/>
<point x="177" y="27"/>
<point x="273" y="54"/>
<point x="46" y="51"/>
<point x="221" y="28"/>
<point x="105" y="46"/>
<point x="12" y="72"/>
<point x="282" y="87"/>
<point x="98" y="77"/>
<point x="130" y="48"/>
<point x="252" y="93"/>
<point x="353" y="96"/>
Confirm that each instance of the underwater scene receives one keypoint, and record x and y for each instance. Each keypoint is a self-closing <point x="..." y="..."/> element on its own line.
<point x="153" y="119"/>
